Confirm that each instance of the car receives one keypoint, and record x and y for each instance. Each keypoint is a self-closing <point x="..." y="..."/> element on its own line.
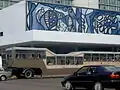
<point x="93" y="77"/>
<point x="4" y="74"/>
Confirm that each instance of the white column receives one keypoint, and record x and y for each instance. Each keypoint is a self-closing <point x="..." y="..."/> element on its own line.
<point x="0" y="61"/>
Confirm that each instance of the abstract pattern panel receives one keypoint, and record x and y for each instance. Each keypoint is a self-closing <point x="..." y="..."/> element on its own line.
<point x="53" y="17"/>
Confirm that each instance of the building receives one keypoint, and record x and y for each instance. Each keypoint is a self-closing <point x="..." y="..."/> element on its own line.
<point x="113" y="5"/>
<point x="6" y="3"/>
<point x="98" y="28"/>
<point x="77" y="41"/>
<point x="61" y="29"/>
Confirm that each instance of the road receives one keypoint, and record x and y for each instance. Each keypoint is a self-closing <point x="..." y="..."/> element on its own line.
<point x="32" y="84"/>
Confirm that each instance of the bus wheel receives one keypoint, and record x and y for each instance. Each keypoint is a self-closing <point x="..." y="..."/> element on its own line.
<point x="28" y="74"/>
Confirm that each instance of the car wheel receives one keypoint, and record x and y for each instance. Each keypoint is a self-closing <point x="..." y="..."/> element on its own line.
<point x="68" y="86"/>
<point x="98" y="86"/>
<point x="28" y="74"/>
<point x="3" y="78"/>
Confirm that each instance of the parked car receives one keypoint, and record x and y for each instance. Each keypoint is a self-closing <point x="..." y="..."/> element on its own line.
<point x="93" y="77"/>
<point x="4" y="74"/>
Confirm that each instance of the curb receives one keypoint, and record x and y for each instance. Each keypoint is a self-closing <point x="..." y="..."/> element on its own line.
<point x="50" y="76"/>
<point x="43" y="77"/>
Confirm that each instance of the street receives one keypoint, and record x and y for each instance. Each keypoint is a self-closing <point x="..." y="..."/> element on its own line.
<point x="33" y="84"/>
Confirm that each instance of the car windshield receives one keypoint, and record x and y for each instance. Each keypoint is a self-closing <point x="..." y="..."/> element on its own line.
<point x="111" y="68"/>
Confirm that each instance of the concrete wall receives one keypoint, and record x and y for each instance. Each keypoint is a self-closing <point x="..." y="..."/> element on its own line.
<point x="12" y="24"/>
<point x="86" y="3"/>
<point x="75" y="37"/>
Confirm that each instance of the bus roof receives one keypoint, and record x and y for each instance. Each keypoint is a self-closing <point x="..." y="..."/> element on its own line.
<point x="94" y="52"/>
<point x="80" y="53"/>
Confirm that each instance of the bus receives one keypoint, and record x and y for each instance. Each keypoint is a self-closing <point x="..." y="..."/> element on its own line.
<point x="29" y="61"/>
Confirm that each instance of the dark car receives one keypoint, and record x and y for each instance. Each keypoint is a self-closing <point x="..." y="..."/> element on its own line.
<point x="93" y="77"/>
<point x="118" y="68"/>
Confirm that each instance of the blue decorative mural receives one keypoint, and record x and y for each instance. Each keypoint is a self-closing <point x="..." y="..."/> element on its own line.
<point x="53" y="17"/>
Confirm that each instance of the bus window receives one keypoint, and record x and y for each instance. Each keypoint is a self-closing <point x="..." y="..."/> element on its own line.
<point x="102" y="57"/>
<point x="110" y="57"/>
<point x="70" y="60"/>
<point x="87" y="57"/>
<point x="51" y="60"/>
<point x="78" y="60"/>
<point x="60" y="60"/>
<point x="117" y="57"/>
<point x="95" y="57"/>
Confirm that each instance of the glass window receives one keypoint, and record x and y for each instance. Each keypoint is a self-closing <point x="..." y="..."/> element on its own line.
<point x="83" y="70"/>
<point x="87" y="57"/>
<point x="4" y="62"/>
<point x="112" y="2"/>
<point x="9" y="57"/>
<point x="92" y="70"/>
<point x="101" y="1"/>
<point x="110" y="57"/>
<point x="109" y="5"/>
<point x="1" y="4"/>
<point x="103" y="7"/>
<point x="105" y="2"/>
<point x="5" y="3"/>
<point x="118" y="3"/>
<point x="102" y="57"/>
<point x="51" y="60"/>
<point x="3" y="56"/>
<point x="1" y="33"/>
<point x="60" y="60"/>
<point x="78" y="60"/>
<point x="117" y="57"/>
<point x="118" y="67"/>
<point x="70" y="60"/>
<point x="29" y="54"/>
<point x="95" y="57"/>
<point x="111" y="68"/>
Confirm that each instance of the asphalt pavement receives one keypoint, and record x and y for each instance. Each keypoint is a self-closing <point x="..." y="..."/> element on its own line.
<point x="33" y="84"/>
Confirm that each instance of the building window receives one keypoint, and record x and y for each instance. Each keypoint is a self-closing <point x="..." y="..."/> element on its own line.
<point x="63" y="2"/>
<point x="1" y="33"/>
<point x="6" y="3"/>
<point x="113" y="5"/>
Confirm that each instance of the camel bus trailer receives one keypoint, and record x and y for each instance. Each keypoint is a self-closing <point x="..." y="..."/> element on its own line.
<point x="28" y="61"/>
